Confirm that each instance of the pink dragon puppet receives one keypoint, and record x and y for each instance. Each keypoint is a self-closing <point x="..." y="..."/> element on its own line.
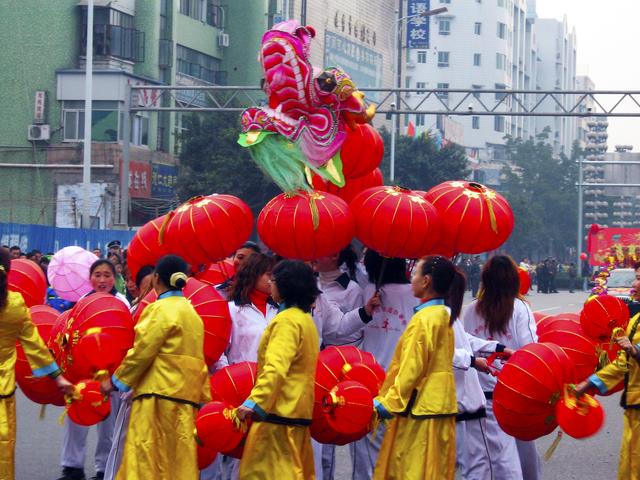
<point x="308" y="114"/>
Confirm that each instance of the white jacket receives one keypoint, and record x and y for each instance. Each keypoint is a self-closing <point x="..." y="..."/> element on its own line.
<point x="340" y="289"/>
<point x="248" y="325"/>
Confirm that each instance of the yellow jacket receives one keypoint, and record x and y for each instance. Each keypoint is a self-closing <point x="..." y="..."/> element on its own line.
<point x="611" y="375"/>
<point x="420" y="378"/>
<point x="167" y="358"/>
<point x="15" y="324"/>
<point x="287" y="357"/>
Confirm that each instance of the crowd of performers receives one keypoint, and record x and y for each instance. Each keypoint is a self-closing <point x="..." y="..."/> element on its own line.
<point x="434" y="410"/>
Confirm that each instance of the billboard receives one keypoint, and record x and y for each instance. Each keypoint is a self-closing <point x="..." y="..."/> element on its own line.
<point x="164" y="179"/>
<point x="363" y="64"/>
<point x="417" y="26"/>
<point x="622" y="243"/>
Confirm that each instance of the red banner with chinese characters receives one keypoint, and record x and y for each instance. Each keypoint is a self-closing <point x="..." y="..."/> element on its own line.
<point x="139" y="179"/>
<point x="621" y="243"/>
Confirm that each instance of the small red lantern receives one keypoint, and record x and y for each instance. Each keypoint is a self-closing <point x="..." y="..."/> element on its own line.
<point x="361" y="152"/>
<point x="215" y="428"/>
<point x="39" y="390"/>
<point x="208" y="229"/>
<point x="604" y="317"/>
<point x="334" y="362"/>
<point x="583" y="256"/>
<point x="88" y="406"/>
<point x="145" y="247"/>
<point x="348" y="407"/>
<point x="305" y="225"/>
<point x="217" y="272"/>
<point x="233" y="384"/>
<point x="396" y="222"/>
<point x="525" y="280"/>
<point x="206" y="456"/>
<point x="580" y="417"/>
<point x="371" y="376"/>
<point x="322" y="432"/>
<point x="528" y="387"/>
<point x="475" y="218"/>
<point x="27" y="278"/>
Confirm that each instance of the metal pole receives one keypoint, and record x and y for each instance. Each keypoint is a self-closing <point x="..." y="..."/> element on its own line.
<point x="580" y="212"/>
<point x="88" y="94"/>
<point x="126" y="159"/>
<point x="394" y="119"/>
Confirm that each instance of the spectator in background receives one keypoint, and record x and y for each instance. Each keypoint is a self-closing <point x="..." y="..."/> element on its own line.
<point x="553" y="272"/>
<point x="542" y="274"/>
<point x="114" y="246"/>
<point x="116" y="260"/>
<point x="97" y="252"/>
<point x="15" y="252"/>
<point x="586" y="274"/>
<point x="573" y="273"/>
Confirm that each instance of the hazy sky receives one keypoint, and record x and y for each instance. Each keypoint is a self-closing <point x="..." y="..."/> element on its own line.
<point x="607" y="51"/>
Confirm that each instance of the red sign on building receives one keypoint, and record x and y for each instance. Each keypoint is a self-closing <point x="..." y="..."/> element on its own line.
<point x="139" y="179"/>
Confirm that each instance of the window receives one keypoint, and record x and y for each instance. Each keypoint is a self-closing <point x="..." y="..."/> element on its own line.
<point x="443" y="59"/>
<point x="500" y="86"/>
<point x="502" y="30"/>
<point x="140" y="129"/>
<point x="501" y="3"/>
<point x="208" y="11"/>
<point x="422" y="56"/>
<point x="501" y="61"/>
<point x="443" y="95"/>
<point x="475" y="123"/>
<point x="199" y="65"/>
<point x="113" y="35"/>
<point x="420" y="120"/>
<point x="498" y="123"/>
<point x="444" y="27"/>
<point x="476" y="94"/>
<point x="476" y="59"/>
<point x="421" y="85"/>
<point x="104" y="121"/>
<point x="445" y="1"/>
<point x="477" y="28"/>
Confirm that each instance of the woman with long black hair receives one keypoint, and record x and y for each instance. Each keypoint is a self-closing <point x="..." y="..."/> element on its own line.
<point x="500" y="313"/>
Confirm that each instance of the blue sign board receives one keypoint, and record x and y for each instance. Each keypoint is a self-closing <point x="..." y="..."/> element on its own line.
<point x="163" y="181"/>
<point x="417" y="26"/>
<point x="362" y="64"/>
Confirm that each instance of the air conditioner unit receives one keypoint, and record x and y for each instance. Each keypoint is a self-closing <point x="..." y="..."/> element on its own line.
<point x="223" y="40"/>
<point x="38" y="132"/>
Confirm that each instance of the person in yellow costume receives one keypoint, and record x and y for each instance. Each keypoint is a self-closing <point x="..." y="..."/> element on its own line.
<point x="419" y="393"/>
<point x="16" y="325"/>
<point x="625" y="368"/>
<point x="281" y="402"/>
<point x="167" y="371"/>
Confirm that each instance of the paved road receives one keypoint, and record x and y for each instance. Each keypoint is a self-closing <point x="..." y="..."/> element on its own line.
<point x="39" y="441"/>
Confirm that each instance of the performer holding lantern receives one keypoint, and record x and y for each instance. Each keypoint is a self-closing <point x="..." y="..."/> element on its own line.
<point x="166" y="368"/>
<point x="15" y="324"/>
<point x="279" y="443"/>
<point x="420" y="386"/>
<point x="501" y="314"/>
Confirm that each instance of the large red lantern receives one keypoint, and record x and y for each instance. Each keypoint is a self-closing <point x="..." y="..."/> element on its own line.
<point x="361" y="152"/>
<point x="528" y="387"/>
<point x="396" y="222"/>
<point x="217" y="272"/>
<point x="215" y="427"/>
<point x="40" y="390"/>
<point x="208" y="229"/>
<point x="145" y="247"/>
<point x="348" y="407"/>
<point x="475" y="218"/>
<point x="306" y="226"/>
<point x="580" y="417"/>
<point x="604" y="317"/>
<point x="88" y="406"/>
<point x="99" y="334"/>
<point x="27" y="278"/>
<point x="233" y="384"/>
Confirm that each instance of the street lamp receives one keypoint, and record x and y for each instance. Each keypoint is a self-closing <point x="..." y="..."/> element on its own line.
<point x="397" y="50"/>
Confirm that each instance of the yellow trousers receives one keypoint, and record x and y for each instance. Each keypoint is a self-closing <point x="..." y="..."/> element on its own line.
<point x="629" y="467"/>
<point x="418" y="449"/>
<point x="277" y="452"/>
<point x="160" y="444"/>
<point x="7" y="437"/>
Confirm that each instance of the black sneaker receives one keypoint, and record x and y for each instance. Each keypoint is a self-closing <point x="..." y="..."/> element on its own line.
<point x="72" y="473"/>
<point x="98" y="476"/>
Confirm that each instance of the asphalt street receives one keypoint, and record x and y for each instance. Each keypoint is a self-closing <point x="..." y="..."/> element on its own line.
<point x="39" y="441"/>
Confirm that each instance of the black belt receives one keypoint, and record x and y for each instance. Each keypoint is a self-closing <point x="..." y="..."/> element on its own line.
<point x="9" y="395"/>
<point x="464" y="416"/>
<point x="277" y="419"/>
<point x="164" y="397"/>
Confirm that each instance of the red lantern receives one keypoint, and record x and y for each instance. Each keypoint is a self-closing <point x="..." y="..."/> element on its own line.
<point x="58" y="339"/>
<point x="557" y="322"/>
<point x="604" y="317"/>
<point x="371" y="376"/>
<point x="475" y="218"/>
<point x="583" y="256"/>
<point x="540" y="317"/>
<point x="396" y="222"/>
<point x="217" y="272"/>
<point x="40" y="390"/>
<point x="352" y="186"/>
<point x="525" y="280"/>
<point x="569" y="336"/>
<point x="305" y="225"/>
<point x="215" y="427"/>
<point x="208" y="229"/>
<point x="334" y="362"/>
<point x="206" y="456"/>
<point x="528" y="387"/>
<point x="580" y="417"/>
<point x="232" y="385"/>
<point x="145" y="247"/>
<point x="361" y="152"/>
<point x="89" y="406"/>
<point x="348" y="407"/>
<point x="27" y="278"/>
<point x="100" y="332"/>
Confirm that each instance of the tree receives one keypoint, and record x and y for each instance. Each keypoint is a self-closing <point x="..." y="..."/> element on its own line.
<point x="211" y="161"/>
<point x="542" y="192"/>
<point x="420" y="164"/>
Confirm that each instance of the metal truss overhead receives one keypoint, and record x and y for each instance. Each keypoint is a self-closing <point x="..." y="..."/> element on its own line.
<point x="400" y="101"/>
